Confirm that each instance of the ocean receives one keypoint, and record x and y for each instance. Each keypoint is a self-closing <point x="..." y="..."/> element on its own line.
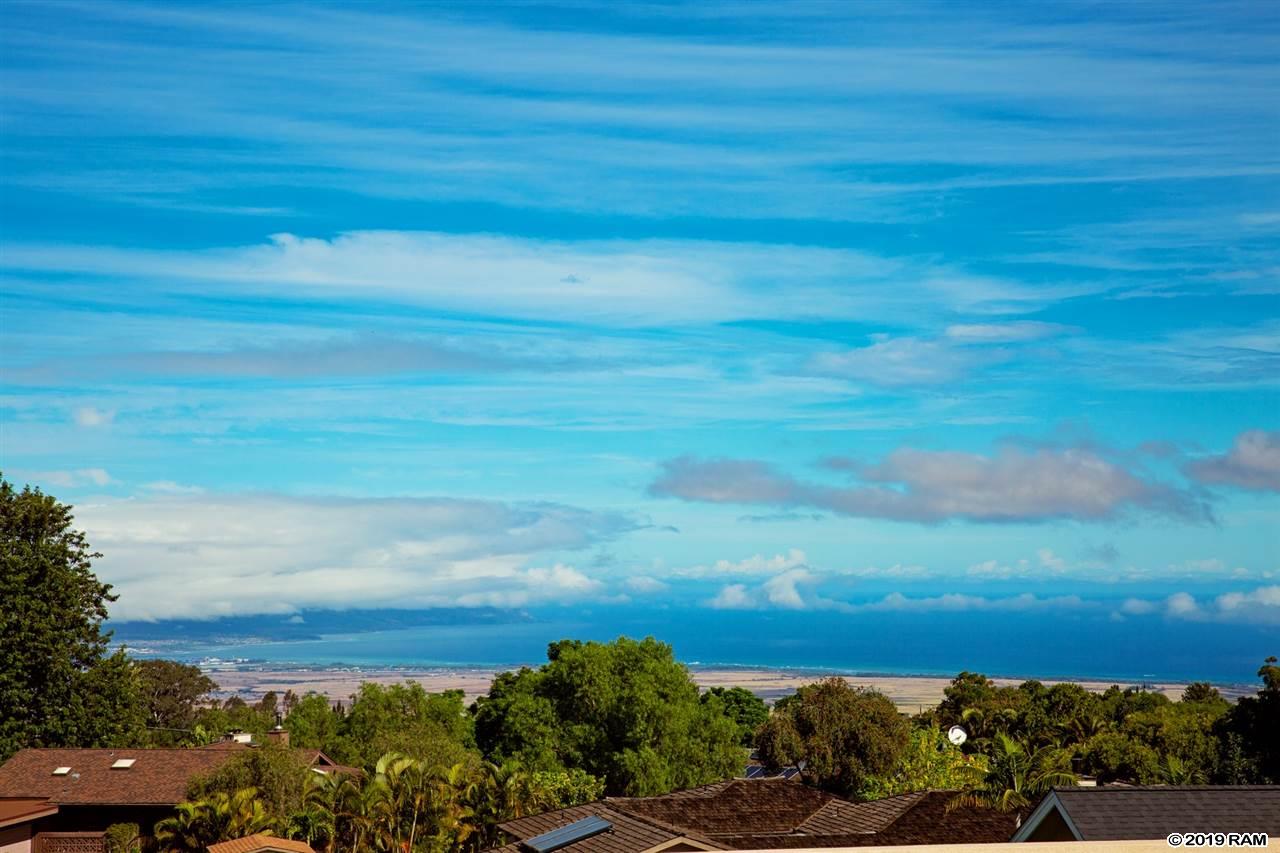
<point x="1006" y="644"/>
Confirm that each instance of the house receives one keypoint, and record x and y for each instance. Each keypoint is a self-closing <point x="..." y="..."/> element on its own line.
<point x="1151" y="812"/>
<point x="753" y="814"/>
<point x="261" y="844"/>
<point x="65" y="799"/>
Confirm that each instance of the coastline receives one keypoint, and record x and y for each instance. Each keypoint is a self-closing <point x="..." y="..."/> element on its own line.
<point x="911" y="693"/>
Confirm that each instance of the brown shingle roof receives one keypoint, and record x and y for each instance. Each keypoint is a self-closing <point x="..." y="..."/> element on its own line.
<point x="1152" y="812"/>
<point x="629" y="834"/>
<point x="744" y="814"/>
<point x="738" y="806"/>
<point x="261" y="844"/>
<point x="157" y="777"/>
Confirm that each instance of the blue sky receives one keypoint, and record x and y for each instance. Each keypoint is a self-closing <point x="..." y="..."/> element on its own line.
<point x="727" y="306"/>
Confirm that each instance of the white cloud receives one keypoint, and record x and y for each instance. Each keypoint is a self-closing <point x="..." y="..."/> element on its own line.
<point x="610" y="282"/>
<point x="904" y="361"/>
<point x="1050" y="560"/>
<point x="1137" y="607"/>
<point x="756" y="564"/>
<point x="956" y="602"/>
<point x="782" y="591"/>
<point x="1253" y="462"/>
<point x="645" y="585"/>
<point x="199" y="556"/>
<point x="991" y="333"/>
<point x="69" y="479"/>
<point x="732" y="597"/>
<point x="1015" y="484"/>
<point x="1181" y="604"/>
<point x="89" y="416"/>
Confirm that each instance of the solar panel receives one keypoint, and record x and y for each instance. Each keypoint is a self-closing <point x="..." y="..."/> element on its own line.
<point x="754" y="771"/>
<point x="568" y="834"/>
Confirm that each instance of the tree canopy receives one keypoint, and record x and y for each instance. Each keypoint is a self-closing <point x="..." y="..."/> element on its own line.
<point x="842" y="735"/>
<point x="59" y="685"/>
<point x="171" y="694"/>
<point x="742" y="706"/>
<point x="626" y="712"/>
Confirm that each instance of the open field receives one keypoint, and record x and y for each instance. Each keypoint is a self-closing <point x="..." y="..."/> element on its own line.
<point x="910" y="693"/>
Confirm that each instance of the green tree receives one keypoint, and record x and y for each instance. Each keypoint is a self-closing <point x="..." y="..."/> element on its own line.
<point x="930" y="762"/>
<point x="1018" y="776"/>
<point x="626" y="712"/>
<point x="277" y="775"/>
<point x="1116" y="757"/>
<point x="123" y="838"/>
<point x="171" y="693"/>
<point x="1201" y="692"/>
<point x="743" y="707"/>
<point x="58" y="684"/>
<point x="313" y="723"/>
<point x="843" y="735"/>
<point x="1251" y="731"/>
<point x="221" y="817"/>
<point x="404" y="718"/>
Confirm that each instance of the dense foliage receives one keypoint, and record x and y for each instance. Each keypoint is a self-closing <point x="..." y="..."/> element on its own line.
<point x="840" y="736"/>
<point x="626" y="712"/>
<point x="742" y="706"/>
<point x="58" y="684"/>
<point x="400" y="804"/>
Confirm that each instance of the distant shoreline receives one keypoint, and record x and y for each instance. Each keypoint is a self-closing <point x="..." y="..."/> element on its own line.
<point x="910" y="692"/>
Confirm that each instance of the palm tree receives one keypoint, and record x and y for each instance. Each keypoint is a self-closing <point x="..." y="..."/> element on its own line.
<point x="1175" y="771"/>
<point x="217" y="818"/>
<point x="1017" y="775"/>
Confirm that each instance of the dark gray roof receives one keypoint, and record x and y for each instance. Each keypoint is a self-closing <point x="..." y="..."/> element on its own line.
<point x="1152" y="812"/>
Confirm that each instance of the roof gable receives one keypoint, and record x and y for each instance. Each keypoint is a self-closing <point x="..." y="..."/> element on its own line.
<point x="1152" y="812"/>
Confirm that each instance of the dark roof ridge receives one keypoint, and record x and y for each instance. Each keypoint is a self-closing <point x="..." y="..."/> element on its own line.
<point x="607" y="802"/>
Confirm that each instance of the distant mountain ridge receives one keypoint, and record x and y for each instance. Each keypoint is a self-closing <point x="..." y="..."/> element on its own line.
<point x="306" y="624"/>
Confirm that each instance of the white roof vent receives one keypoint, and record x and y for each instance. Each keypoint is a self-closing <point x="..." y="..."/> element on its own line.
<point x="61" y="771"/>
<point x="123" y="763"/>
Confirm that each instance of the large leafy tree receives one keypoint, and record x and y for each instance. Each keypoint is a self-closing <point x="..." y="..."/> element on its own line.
<point x="59" y="685"/>
<point x="843" y="735"/>
<point x="171" y="693"/>
<point x="279" y="777"/>
<point x="1251" y="733"/>
<point x="626" y="712"/>
<point x="313" y="722"/>
<point x="930" y="762"/>
<point x="743" y="707"/>
<point x="404" y="718"/>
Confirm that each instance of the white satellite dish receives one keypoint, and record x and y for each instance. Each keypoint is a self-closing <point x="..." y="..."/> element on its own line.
<point x="957" y="735"/>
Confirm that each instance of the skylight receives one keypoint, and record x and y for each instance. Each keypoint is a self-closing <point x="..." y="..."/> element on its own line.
<point x="61" y="771"/>
<point x="123" y="763"/>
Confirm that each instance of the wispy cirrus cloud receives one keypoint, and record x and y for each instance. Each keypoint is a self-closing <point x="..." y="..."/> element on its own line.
<point x="615" y="113"/>
<point x="609" y="282"/>
<point x="1012" y="485"/>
